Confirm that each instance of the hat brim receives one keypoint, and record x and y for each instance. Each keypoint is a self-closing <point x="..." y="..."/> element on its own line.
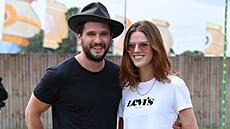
<point x="116" y="27"/>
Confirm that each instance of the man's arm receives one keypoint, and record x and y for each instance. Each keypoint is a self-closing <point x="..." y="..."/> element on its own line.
<point x="33" y="113"/>
<point x="177" y="124"/>
<point x="120" y="123"/>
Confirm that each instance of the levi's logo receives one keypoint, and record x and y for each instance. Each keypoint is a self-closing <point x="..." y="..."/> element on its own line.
<point x="140" y="102"/>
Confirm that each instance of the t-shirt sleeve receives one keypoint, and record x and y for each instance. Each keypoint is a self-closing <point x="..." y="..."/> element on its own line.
<point x="120" y="109"/>
<point x="181" y="96"/>
<point x="46" y="89"/>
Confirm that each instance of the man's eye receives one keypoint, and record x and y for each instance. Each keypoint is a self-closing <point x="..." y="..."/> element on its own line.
<point x="90" y="34"/>
<point x="104" y="34"/>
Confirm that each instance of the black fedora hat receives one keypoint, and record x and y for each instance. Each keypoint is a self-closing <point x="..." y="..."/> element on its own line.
<point x="95" y="12"/>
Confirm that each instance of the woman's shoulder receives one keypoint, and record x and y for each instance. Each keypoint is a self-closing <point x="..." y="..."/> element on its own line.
<point x="176" y="79"/>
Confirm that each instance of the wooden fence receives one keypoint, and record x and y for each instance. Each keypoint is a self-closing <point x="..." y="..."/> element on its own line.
<point x="203" y="76"/>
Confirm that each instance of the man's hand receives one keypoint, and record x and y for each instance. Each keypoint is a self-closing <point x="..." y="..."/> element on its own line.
<point x="177" y="125"/>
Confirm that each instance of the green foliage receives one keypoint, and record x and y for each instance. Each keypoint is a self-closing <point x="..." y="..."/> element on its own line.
<point x="194" y="53"/>
<point x="67" y="45"/>
<point x="171" y="51"/>
<point x="199" y="128"/>
<point x="36" y="44"/>
<point x="212" y="128"/>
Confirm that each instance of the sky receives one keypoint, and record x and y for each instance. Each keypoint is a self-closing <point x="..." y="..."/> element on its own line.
<point x="187" y="18"/>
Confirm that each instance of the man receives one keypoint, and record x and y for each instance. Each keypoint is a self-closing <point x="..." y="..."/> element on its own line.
<point x="3" y="94"/>
<point x="83" y="90"/>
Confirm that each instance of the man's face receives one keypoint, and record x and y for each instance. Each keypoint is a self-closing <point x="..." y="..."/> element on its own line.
<point x="95" y="40"/>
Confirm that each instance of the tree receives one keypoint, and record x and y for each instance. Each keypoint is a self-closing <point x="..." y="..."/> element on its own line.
<point x="194" y="53"/>
<point x="36" y="44"/>
<point x="68" y="45"/>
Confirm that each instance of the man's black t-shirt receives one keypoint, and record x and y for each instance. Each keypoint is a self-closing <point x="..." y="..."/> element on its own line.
<point x="81" y="99"/>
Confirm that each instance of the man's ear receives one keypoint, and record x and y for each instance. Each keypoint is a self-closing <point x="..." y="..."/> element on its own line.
<point x="111" y="35"/>
<point x="79" y="38"/>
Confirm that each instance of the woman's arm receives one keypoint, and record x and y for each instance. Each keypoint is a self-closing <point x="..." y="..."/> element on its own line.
<point x="188" y="119"/>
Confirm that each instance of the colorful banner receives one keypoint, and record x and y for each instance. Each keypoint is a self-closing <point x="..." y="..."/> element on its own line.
<point x="166" y="35"/>
<point x="21" y="22"/>
<point x="214" y="40"/>
<point x="118" y="42"/>
<point x="2" y="16"/>
<point x="56" y="27"/>
<point x="162" y="26"/>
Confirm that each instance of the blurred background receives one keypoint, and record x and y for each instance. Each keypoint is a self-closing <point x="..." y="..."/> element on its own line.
<point x="189" y="27"/>
<point x="34" y="35"/>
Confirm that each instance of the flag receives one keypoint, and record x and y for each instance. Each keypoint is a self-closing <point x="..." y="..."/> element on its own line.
<point x="122" y="20"/>
<point x="21" y="22"/>
<point x="119" y="41"/>
<point x="2" y="16"/>
<point x="214" y="45"/>
<point x="163" y="28"/>
<point x="56" y="27"/>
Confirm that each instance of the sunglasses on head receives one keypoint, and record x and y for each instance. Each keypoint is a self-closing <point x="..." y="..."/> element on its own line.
<point x="142" y="46"/>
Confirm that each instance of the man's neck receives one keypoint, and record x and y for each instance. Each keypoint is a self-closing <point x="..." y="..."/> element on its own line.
<point x="88" y="64"/>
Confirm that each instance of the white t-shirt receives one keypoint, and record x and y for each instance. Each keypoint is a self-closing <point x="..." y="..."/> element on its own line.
<point x="156" y="110"/>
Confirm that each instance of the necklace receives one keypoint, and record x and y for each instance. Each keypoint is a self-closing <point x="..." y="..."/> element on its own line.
<point x="142" y="94"/>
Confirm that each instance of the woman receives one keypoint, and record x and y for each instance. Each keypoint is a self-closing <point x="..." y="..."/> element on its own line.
<point x="153" y="97"/>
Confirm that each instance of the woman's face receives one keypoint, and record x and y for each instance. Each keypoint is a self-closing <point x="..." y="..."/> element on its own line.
<point x="140" y="51"/>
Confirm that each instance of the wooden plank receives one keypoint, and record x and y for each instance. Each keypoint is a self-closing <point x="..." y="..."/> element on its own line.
<point x="202" y="75"/>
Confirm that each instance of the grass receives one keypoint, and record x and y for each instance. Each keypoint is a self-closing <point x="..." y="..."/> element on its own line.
<point x="212" y="128"/>
<point x="199" y="128"/>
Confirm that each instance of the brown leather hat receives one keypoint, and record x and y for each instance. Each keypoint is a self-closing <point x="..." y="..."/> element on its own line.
<point x="95" y="12"/>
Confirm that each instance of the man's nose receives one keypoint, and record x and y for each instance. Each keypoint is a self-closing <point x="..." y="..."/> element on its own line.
<point x="97" y="39"/>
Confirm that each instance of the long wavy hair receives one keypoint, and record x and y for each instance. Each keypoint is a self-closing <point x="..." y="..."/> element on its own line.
<point x="161" y="64"/>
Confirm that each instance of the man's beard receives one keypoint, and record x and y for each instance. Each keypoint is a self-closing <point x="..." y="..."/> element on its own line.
<point x="90" y="56"/>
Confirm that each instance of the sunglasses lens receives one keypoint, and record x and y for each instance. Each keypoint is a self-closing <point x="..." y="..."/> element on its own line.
<point x="131" y="47"/>
<point x="142" y="46"/>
